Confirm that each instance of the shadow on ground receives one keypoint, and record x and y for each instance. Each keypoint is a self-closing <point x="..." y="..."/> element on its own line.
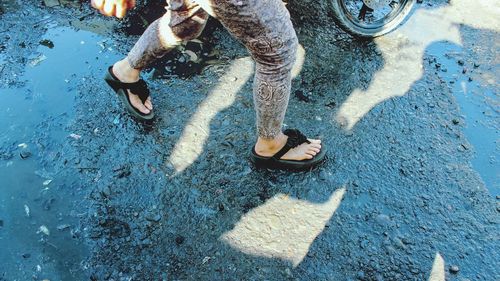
<point x="179" y="200"/>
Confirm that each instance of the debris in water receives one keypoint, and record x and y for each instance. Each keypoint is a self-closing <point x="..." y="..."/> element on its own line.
<point x="75" y="136"/>
<point x="25" y="154"/>
<point x="63" y="227"/>
<point x="22" y="145"/>
<point x="47" y="182"/>
<point x="206" y="259"/>
<point x="27" y="210"/>
<point x="43" y="229"/>
<point x="47" y="43"/>
<point x="116" y="121"/>
<point x="36" y="61"/>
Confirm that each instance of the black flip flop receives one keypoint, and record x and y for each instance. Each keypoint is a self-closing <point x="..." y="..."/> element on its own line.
<point x="295" y="138"/>
<point x="139" y="88"/>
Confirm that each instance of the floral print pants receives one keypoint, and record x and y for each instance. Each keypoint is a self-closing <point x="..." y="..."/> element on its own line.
<point x="263" y="26"/>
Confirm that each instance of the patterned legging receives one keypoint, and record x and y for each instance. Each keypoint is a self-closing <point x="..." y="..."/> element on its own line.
<point x="263" y="26"/>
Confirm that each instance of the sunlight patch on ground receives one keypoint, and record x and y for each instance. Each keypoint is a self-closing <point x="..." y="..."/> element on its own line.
<point x="403" y="52"/>
<point x="437" y="273"/>
<point x="283" y="227"/>
<point x="197" y="130"/>
<point x="299" y="61"/>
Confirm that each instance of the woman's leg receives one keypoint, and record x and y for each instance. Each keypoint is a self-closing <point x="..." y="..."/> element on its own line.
<point x="264" y="27"/>
<point x="183" y="21"/>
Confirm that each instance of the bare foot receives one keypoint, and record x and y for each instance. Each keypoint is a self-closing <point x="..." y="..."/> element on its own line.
<point x="125" y="73"/>
<point x="268" y="148"/>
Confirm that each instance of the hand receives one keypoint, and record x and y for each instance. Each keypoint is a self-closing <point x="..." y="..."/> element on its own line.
<point x="117" y="8"/>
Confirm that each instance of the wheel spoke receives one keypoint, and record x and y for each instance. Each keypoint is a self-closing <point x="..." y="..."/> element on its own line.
<point x="363" y="11"/>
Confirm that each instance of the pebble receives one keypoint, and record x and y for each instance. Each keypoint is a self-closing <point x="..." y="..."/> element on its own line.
<point x="22" y="145"/>
<point x="51" y="3"/>
<point x="27" y="210"/>
<point x="383" y="220"/>
<point x="323" y="175"/>
<point x="364" y="244"/>
<point x="425" y="196"/>
<point x="63" y="227"/>
<point x="153" y="218"/>
<point x="179" y="240"/>
<point x="454" y="269"/>
<point x="398" y="243"/>
<point x="221" y="207"/>
<point x="25" y="154"/>
<point x="43" y="229"/>
<point x="360" y="275"/>
<point x="301" y="96"/>
<point x="106" y="191"/>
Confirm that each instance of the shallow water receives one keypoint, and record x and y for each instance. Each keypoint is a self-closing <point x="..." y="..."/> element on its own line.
<point x="39" y="202"/>
<point x="479" y="104"/>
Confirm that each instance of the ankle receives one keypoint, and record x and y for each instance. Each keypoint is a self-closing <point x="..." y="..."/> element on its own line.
<point x="124" y="71"/>
<point x="266" y="146"/>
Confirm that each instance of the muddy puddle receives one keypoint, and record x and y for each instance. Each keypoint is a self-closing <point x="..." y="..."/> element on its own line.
<point x="479" y="104"/>
<point x="41" y="196"/>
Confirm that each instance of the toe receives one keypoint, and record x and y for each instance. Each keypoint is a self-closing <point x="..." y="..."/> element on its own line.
<point x="143" y="109"/>
<point x="314" y="141"/>
<point x="314" y="149"/>
<point x="148" y="104"/>
<point x="311" y="152"/>
<point x="316" y="146"/>
<point x="137" y="103"/>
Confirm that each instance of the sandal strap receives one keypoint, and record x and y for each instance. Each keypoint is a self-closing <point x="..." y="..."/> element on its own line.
<point x="295" y="138"/>
<point x="138" y="88"/>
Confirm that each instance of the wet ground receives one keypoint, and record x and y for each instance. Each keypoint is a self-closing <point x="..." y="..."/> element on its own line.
<point x="409" y="192"/>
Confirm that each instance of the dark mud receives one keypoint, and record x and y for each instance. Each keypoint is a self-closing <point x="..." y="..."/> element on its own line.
<point x="178" y="200"/>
